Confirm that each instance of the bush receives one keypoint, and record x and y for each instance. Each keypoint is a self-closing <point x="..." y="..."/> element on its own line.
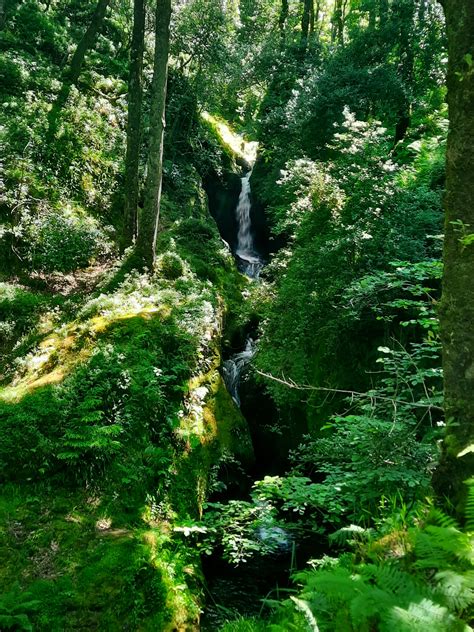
<point x="18" y="311"/>
<point x="10" y="77"/>
<point x="171" y="266"/>
<point x="62" y="240"/>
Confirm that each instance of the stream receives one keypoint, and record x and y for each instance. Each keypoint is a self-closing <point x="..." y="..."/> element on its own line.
<point x="240" y="591"/>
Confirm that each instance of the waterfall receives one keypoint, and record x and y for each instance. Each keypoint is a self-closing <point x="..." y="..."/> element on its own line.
<point x="234" y="366"/>
<point x="248" y="260"/>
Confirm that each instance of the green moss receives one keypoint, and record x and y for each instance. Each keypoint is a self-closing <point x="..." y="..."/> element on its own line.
<point x="99" y="408"/>
<point x="221" y="428"/>
<point x="86" y="572"/>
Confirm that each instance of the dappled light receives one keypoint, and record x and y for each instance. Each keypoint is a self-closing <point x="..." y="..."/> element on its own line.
<point x="236" y="307"/>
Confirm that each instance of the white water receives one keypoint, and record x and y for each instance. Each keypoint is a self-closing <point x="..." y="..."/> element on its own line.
<point x="248" y="259"/>
<point x="234" y="366"/>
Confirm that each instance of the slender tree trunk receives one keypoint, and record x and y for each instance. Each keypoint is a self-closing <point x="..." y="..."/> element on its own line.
<point x="135" y="94"/>
<point x="405" y="14"/>
<point x="337" y="31"/>
<point x="3" y="14"/>
<point x="305" y="21"/>
<point x="457" y="305"/>
<point x="71" y="74"/>
<point x="316" y="25"/>
<point x="283" y="17"/>
<point x="149" y="216"/>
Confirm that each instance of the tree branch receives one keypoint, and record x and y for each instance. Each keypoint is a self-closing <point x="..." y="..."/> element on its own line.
<point x="308" y="387"/>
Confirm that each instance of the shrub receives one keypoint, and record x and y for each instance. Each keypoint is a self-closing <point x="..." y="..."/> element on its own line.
<point x="10" y="76"/>
<point x="62" y="240"/>
<point x="18" y="310"/>
<point x="171" y="266"/>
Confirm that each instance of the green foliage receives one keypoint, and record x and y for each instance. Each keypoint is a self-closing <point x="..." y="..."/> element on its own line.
<point x="414" y="573"/>
<point x="121" y="400"/>
<point x="245" y="625"/>
<point x="362" y="460"/>
<point x="241" y="530"/>
<point x="19" y="310"/>
<point x="170" y="266"/>
<point x="425" y="583"/>
<point x="15" y="608"/>
<point x="62" y="240"/>
<point x="125" y="395"/>
<point x="332" y="216"/>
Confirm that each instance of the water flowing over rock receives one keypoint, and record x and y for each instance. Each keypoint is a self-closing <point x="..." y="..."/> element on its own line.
<point x="233" y="367"/>
<point x="248" y="260"/>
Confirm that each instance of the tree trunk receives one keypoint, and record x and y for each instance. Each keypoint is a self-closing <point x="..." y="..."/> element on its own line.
<point x="3" y="14"/>
<point x="457" y="305"/>
<point x="305" y="20"/>
<point x="283" y="17"/>
<point x="149" y="216"/>
<point x="135" y="94"/>
<point x="71" y="74"/>
<point x="337" y="31"/>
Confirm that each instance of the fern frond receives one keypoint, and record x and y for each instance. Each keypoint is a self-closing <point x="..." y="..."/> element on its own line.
<point x="441" y="519"/>
<point x="304" y="608"/>
<point x="469" y="509"/>
<point x="436" y="547"/>
<point x="455" y="589"/>
<point x="338" y="585"/>
<point x="393" y="580"/>
<point x="368" y="608"/>
<point x="419" y="617"/>
<point x="350" y="534"/>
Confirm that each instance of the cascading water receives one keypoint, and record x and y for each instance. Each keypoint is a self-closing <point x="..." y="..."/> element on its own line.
<point x="250" y="263"/>
<point x="248" y="260"/>
<point x="234" y="366"/>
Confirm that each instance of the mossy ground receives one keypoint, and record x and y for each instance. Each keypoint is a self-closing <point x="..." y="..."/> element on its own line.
<point x="113" y="415"/>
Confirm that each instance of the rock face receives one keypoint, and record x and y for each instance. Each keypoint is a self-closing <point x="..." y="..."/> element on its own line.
<point x="261" y="229"/>
<point x="223" y="194"/>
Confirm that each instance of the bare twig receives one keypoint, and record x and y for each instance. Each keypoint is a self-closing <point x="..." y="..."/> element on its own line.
<point x="308" y="387"/>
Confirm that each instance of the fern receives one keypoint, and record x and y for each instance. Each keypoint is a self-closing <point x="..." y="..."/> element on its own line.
<point x="430" y="587"/>
<point x="422" y="616"/>
<point x="469" y="508"/>
<point x="367" y="608"/>
<point x="455" y="589"/>
<point x="441" y="519"/>
<point x="338" y="585"/>
<point x="438" y="546"/>
<point x="393" y="580"/>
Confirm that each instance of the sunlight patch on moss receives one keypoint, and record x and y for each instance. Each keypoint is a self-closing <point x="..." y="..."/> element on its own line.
<point x="246" y="150"/>
<point x="60" y="352"/>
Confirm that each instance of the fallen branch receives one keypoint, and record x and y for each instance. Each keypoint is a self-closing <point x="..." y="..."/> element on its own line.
<point x="308" y="387"/>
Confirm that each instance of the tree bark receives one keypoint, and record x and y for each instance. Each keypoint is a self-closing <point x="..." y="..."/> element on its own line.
<point x="3" y="14"/>
<point x="283" y="17"/>
<point x="337" y="31"/>
<point x="457" y="305"/>
<point x="308" y="8"/>
<point x="71" y="74"/>
<point x="149" y="216"/>
<point x="135" y="97"/>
